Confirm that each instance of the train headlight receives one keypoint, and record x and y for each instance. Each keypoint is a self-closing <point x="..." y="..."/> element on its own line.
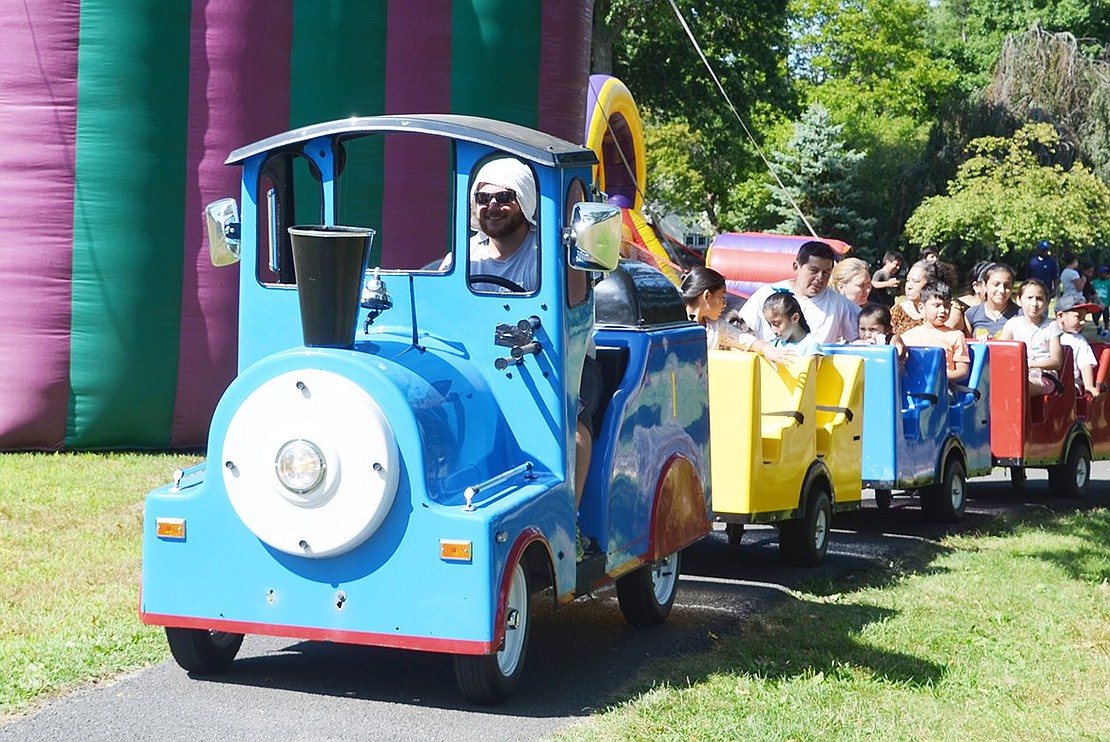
<point x="300" y="466"/>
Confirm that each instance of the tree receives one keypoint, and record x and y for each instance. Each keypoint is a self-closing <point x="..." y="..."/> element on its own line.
<point x="643" y="43"/>
<point x="970" y="33"/>
<point x="676" y="180"/>
<point x="1044" y="76"/>
<point x="818" y="173"/>
<point x="870" y="63"/>
<point x="1010" y="193"/>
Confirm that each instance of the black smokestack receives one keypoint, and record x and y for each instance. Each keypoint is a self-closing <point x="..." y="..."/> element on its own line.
<point x="330" y="262"/>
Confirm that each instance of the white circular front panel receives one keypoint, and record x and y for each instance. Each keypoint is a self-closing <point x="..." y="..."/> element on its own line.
<point x="360" y="463"/>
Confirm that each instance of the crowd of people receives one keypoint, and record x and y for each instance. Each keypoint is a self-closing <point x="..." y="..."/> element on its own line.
<point x="828" y="301"/>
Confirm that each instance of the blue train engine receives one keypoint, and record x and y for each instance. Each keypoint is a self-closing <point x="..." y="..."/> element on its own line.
<point x="394" y="464"/>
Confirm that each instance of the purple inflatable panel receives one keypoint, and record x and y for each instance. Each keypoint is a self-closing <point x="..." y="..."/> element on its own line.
<point x="772" y="242"/>
<point x="238" y="52"/>
<point x="38" y="125"/>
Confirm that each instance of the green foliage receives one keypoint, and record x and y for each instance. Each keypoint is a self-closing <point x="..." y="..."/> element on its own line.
<point x="818" y="173"/>
<point x="870" y="63"/>
<point x="650" y="52"/>
<point x="970" y="33"/>
<point x="1007" y="195"/>
<point x="871" y="54"/>
<point x="678" y="162"/>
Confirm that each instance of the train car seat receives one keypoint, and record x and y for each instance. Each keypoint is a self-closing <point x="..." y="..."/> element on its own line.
<point x="763" y="431"/>
<point x="969" y="412"/>
<point x="1082" y="399"/>
<point x="923" y="391"/>
<point x="883" y="444"/>
<point x="1027" y="431"/>
<point x="924" y="416"/>
<point x="1096" y="410"/>
<point x="839" y="411"/>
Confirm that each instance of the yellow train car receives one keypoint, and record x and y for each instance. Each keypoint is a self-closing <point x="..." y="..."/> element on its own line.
<point x="785" y="445"/>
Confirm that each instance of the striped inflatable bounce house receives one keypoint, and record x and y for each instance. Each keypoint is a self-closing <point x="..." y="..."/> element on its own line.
<point x="749" y="260"/>
<point x="115" y="330"/>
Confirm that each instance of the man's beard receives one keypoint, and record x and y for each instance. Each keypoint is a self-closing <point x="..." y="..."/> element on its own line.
<point x="503" y="227"/>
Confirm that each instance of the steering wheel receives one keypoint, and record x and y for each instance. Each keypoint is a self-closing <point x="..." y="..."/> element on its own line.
<point x="496" y="280"/>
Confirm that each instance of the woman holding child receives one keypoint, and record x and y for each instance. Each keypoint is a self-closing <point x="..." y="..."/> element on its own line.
<point x="906" y="314"/>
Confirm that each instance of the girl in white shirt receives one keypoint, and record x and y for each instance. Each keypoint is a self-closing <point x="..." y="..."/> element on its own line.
<point x="1041" y="336"/>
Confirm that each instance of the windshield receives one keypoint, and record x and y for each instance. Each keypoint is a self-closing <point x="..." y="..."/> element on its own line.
<point x="411" y="209"/>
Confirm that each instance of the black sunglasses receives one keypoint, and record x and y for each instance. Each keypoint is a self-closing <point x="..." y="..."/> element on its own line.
<point x="501" y="197"/>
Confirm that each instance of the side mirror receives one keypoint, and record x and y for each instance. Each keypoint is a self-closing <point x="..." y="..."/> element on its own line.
<point x="222" y="218"/>
<point x="593" y="240"/>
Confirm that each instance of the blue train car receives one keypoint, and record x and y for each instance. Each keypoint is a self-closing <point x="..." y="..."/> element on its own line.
<point x="920" y="434"/>
<point x="400" y="472"/>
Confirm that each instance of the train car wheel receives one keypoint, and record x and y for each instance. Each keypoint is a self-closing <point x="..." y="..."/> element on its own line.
<point x="804" y="542"/>
<point x="944" y="502"/>
<point x="646" y="595"/>
<point x="735" y="533"/>
<point x="489" y="679"/>
<point x="883" y="499"/>
<point x="203" y="651"/>
<point x="1070" y="479"/>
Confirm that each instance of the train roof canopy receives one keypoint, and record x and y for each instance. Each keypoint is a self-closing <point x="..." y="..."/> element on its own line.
<point x="517" y="140"/>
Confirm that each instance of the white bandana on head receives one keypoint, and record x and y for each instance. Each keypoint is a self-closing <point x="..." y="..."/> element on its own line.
<point x="509" y="172"/>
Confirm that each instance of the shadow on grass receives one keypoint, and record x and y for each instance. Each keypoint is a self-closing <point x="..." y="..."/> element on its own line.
<point x="1089" y="560"/>
<point x="799" y="640"/>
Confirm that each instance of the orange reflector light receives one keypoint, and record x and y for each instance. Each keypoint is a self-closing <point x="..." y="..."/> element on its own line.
<point x="173" y="528"/>
<point x="453" y="550"/>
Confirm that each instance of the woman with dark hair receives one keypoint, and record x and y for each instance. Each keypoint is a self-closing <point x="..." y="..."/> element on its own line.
<point x="906" y="314"/>
<point x="977" y="287"/>
<point x="705" y="295"/>
<point x="986" y="319"/>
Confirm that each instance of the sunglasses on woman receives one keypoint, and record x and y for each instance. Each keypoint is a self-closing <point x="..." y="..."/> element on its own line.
<point x="501" y="197"/>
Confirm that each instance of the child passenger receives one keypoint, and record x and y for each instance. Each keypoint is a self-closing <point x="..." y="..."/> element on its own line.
<point x="784" y="315"/>
<point x="705" y="296"/>
<point x="985" y="320"/>
<point x="936" y="301"/>
<point x="1071" y="315"/>
<point x="1041" y="336"/>
<point x="875" y="328"/>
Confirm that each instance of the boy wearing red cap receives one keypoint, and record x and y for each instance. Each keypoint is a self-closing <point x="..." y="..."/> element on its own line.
<point x="1071" y="313"/>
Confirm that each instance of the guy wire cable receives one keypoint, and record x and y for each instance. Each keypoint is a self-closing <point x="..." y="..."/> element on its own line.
<point x="721" y="88"/>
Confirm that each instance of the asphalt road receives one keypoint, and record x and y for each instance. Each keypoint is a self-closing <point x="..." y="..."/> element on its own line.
<point x="579" y="659"/>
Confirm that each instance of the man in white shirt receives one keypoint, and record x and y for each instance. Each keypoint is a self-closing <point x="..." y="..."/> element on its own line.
<point x="832" y="318"/>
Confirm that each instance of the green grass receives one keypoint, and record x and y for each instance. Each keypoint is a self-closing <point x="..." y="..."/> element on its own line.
<point x="70" y="543"/>
<point x="1000" y="636"/>
<point x="994" y="636"/>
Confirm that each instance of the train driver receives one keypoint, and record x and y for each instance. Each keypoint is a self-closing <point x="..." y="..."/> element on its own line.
<point x="503" y="208"/>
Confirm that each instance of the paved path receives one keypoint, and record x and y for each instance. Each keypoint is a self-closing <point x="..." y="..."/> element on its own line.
<point x="580" y="656"/>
